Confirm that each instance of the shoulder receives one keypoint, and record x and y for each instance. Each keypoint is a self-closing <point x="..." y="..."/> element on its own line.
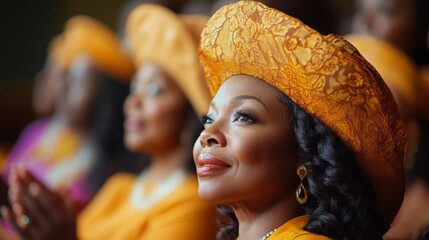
<point x="116" y="188"/>
<point x="111" y="195"/>
<point x="119" y="182"/>
<point x="294" y="230"/>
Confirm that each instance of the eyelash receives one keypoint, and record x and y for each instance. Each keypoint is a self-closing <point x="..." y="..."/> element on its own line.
<point x="239" y="114"/>
<point x="248" y="118"/>
<point x="205" y="119"/>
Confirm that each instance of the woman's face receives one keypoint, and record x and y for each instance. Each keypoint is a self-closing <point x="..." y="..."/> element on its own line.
<point x="391" y="20"/>
<point x="155" y="111"/>
<point x="81" y="89"/>
<point x="48" y="84"/>
<point x="246" y="151"/>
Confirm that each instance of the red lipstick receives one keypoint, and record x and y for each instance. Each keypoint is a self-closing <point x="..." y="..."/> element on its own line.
<point x="207" y="165"/>
<point x="132" y="124"/>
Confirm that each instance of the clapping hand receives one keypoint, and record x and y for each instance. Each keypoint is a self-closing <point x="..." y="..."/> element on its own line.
<point x="37" y="212"/>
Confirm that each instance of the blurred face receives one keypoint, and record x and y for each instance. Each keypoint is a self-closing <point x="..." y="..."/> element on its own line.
<point x="82" y="86"/>
<point x="47" y="87"/>
<point x="391" y="20"/>
<point x="246" y="151"/>
<point x="155" y="111"/>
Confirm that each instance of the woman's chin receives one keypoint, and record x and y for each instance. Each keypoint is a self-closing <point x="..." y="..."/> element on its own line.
<point x="212" y="194"/>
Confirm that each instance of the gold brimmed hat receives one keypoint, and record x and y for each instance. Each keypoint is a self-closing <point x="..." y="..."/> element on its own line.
<point x="156" y="34"/>
<point x="83" y="34"/>
<point x="324" y="75"/>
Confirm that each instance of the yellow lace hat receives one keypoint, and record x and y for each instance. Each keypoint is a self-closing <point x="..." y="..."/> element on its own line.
<point x="83" y="34"/>
<point x="156" y="34"/>
<point x="324" y="75"/>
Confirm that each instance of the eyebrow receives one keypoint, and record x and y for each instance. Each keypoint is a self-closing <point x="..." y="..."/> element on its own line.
<point x="241" y="98"/>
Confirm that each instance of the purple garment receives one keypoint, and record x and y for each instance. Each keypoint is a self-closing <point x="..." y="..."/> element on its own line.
<point x="21" y="154"/>
<point x="25" y="144"/>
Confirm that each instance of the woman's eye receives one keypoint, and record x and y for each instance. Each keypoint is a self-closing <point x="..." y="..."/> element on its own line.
<point x="153" y="90"/>
<point x="243" y="117"/>
<point x="133" y="88"/>
<point x="205" y="119"/>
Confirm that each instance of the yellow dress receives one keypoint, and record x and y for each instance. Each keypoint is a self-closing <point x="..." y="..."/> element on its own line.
<point x="182" y="215"/>
<point x="293" y="230"/>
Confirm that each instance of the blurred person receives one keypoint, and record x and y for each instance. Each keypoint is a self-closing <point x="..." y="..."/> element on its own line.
<point x="424" y="87"/>
<point x="203" y="7"/>
<point x="401" y="75"/>
<point x="161" y="109"/>
<point x="303" y="139"/>
<point x="321" y="15"/>
<point x="66" y="153"/>
<point x="47" y="87"/>
<point x="403" y="23"/>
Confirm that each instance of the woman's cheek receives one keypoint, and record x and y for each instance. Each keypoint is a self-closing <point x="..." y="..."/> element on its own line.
<point x="246" y="146"/>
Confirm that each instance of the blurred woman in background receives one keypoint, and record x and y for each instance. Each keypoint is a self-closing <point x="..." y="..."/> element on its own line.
<point x="167" y="93"/>
<point x="402" y="23"/>
<point x="64" y="159"/>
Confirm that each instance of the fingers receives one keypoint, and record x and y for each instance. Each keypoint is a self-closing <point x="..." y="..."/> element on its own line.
<point x="10" y="217"/>
<point x="27" y="199"/>
<point x="48" y="203"/>
<point x="37" y="196"/>
<point x="48" y="212"/>
<point x="25" y="175"/>
<point x="33" y="208"/>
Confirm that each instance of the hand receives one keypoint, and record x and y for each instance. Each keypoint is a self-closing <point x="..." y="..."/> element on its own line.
<point x="38" y="213"/>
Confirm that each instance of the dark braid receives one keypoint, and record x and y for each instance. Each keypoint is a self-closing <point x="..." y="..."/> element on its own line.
<point x="228" y="223"/>
<point x="341" y="203"/>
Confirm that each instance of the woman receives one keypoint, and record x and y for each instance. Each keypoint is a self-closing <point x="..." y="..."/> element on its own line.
<point x="403" y="23"/>
<point x="64" y="158"/>
<point x="47" y="87"/>
<point x="166" y="92"/>
<point x="303" y="139"/>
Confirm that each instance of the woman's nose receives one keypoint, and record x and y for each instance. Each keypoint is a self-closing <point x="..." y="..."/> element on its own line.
<point x="212" y="136"/>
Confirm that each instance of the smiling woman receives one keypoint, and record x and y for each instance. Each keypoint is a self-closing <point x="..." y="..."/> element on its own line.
<point x="303" y="139"/>
<point x="161" y="109"/>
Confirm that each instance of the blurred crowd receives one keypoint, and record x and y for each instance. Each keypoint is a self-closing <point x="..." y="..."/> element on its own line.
<point x="103" y="130"/>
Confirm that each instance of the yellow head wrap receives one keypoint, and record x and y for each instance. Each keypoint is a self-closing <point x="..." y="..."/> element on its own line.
<point x="324" y="75"/>
<point x="158" y="35"/>
<point x="83" y="34"/>
<point x="396" y="68"/>
<point x="56" y="52"/>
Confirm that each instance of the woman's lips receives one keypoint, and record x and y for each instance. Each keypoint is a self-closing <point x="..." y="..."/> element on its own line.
<point x="207" y="165"/>
<point x="132" y="124"/>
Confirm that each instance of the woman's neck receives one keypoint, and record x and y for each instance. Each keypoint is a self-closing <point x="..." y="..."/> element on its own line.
<point x="259" y="217"/>
<point x="165" y="163"/>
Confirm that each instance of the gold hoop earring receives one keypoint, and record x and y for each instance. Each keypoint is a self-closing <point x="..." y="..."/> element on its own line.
<point x="301" y="192"/>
